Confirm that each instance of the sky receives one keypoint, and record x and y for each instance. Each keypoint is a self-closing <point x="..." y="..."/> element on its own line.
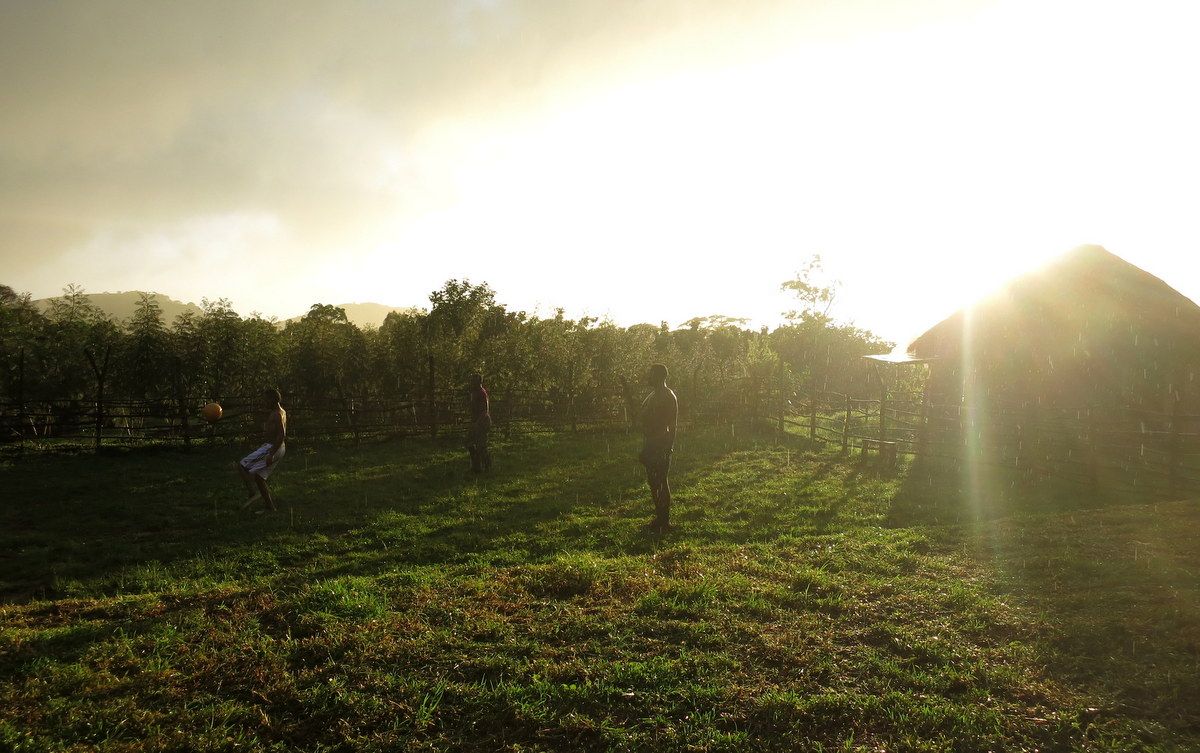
<point x="642" y="160"/>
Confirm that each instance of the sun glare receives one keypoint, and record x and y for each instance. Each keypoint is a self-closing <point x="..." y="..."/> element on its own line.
<point x="926" y="157"/>
<point x="926" y="165"/>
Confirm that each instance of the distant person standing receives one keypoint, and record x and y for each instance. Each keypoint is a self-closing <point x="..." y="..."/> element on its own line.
<point x="481" y="424"/>
<point x="256" y="467"/>
<point x="659" y="418"/>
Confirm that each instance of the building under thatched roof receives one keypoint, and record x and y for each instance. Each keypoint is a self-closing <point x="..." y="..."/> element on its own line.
<point x="1088" y="329"/>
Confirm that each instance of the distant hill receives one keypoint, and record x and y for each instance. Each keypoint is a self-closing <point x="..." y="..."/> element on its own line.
<point x="120" y="306"/>
<point x="367" y="314"/>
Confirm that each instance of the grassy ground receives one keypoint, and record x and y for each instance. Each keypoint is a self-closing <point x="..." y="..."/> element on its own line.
<point x="396" y="603"/>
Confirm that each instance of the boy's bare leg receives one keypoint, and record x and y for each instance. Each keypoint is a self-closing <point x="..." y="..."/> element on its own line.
<point x="663" y="507"/>
<point x="245" y="476"/>
<point x="251" y="493"/>
<point x="265" y="492"/>
<point x="660" y="496"/>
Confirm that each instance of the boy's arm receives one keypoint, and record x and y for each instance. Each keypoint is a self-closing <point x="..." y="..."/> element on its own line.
<point x="673" y="417"/>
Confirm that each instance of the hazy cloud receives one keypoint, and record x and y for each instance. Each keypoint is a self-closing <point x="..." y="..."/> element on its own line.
<point x="572" y="152"/>
<point x="138" y="116"/>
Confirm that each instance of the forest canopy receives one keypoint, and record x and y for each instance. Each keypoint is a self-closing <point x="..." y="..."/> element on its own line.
<point x="71" y="349"/>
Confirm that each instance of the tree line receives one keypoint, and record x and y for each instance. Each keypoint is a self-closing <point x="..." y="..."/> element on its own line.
<point x="72" y="351"/>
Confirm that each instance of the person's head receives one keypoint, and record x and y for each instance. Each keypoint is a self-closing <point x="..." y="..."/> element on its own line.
<point x="271" y="398"/>
<point x="657" y="375"/>
<point x="475" y="380"/>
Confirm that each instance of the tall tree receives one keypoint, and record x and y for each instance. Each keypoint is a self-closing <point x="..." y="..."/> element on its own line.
<point x="144" y="363"/>
<point x="327" y="355"/>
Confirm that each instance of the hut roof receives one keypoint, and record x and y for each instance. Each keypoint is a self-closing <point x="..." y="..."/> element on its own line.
<point x="1084" y="292"/>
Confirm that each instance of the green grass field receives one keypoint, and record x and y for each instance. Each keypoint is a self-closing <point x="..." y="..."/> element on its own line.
<point x="397" y="603"/>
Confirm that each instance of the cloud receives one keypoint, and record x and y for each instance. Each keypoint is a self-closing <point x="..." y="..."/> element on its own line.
<point x="245" y="248"/>
<point x="125" y="121"/>
<point x="145" y="113"/>
<point x="374" y="149"/>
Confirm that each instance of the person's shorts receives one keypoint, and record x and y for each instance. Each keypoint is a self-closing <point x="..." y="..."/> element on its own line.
<point x="656" y="461"/>
<point x="477" y="432"/>
<point x="256" y="462"/>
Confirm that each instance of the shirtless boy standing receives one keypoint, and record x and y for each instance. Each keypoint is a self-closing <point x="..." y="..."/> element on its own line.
<point x="258" y="465"/>
<point x="481" y="424"/>
<point x="659" y="418"/>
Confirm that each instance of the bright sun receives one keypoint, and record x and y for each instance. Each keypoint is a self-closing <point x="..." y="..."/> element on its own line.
<point x="926" y="165"/>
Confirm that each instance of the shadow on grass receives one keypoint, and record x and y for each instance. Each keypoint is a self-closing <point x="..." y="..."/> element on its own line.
<point x="138" y="522"/>
<point x="1108" y="598"/>
<point x="937" y="491"/>
<point x="94" y="519"/>
<point x="90" y="518"/>
<point x="592" y="502"/>
<point x="1116" y="598"/>
<point x="1110" y="577"/>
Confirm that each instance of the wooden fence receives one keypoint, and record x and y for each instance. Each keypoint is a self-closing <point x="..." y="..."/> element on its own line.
<point x="112" y="422"/>
<point x="1130" y="449"/>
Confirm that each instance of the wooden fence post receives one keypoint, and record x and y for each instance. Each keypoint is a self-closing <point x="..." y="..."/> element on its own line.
<point x="1173" y="473"/>
<point x="21" y="413"/>
<point x="882" y="409"/>
<point x="433" y="421"/>
<point x="846" y="426"/>
<point x="100" y="369"/>
<point x="923" y="422"/>
<point x="781" y="408"/>
<point x="181" y="402"/>
<point x="184" y="423"/>
<point x="1033" y="458"/>
<point x="1093" y="450"/>
<point x="1019" y="461"/>
<point x="756" y="414"/>
<point x="348" y="407"/>
<point x="812" y="418"/>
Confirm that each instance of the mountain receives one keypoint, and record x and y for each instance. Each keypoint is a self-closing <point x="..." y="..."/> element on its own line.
<point x="367" y="314"/>
<point x="120" y="306"/>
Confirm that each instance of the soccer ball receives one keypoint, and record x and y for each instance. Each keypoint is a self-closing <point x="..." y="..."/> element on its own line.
<point x="211" y="412"/>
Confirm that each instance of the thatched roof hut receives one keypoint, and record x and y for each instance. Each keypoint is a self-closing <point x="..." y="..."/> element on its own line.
<point x="1088" y="329"/>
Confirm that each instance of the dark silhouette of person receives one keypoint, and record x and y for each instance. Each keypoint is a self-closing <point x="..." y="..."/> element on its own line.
<point x="258" y="465"/>
<point x="659" y="418"/>
<point x="481" y="425"/>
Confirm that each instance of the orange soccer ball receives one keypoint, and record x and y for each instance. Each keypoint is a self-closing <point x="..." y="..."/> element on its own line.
<point x="211" y="412"/>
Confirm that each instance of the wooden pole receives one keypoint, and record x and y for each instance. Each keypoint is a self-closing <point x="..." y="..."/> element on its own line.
<point x="846" y="426"/>
<point x="882" y="405"/>
<point x="781" y="408"/>
<point x="433" y="426"/>
<point x="100" y="369"/>
<point x="1093" y="450"/>
<point x="923" y="422"/>
<point x="348" y="409"/>
<point x="1019" y="461"/>
<point x="812" y="418"/>
<point x="184" y="423"/>
<point x="182" y="403"/>
<point x="21" y="414"/>
<point x="1174" y="449"/>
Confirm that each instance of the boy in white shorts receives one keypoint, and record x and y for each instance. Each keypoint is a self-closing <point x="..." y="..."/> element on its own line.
<point x="258" y="465"/>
